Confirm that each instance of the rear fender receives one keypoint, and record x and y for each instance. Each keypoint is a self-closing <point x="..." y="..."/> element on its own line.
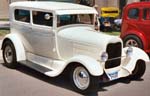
<point x="20" y="51"/>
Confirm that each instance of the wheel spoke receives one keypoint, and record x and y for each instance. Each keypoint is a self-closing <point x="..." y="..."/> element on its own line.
<point x="131" y="42"/>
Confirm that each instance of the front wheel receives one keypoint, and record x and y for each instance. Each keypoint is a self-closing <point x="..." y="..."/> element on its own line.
<point x="139" y="70"/>
<point x="82" y="81"/>
<point x="9" y="55"/>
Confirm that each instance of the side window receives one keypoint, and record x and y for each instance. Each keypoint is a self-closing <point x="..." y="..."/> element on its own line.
<point x="22" y="15"/>
<point x="42" y="18"/>
<point x="133" y="13"/>
<point x="146" y="14"/>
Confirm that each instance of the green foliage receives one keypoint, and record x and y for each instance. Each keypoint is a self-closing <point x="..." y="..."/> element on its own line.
<point x="4" y="32"/>
<point x="113" y="33"/>
<point x="4" y="19"/>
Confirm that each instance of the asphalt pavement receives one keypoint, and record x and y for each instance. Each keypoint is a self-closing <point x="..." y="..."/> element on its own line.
<point x="24" y="81"/>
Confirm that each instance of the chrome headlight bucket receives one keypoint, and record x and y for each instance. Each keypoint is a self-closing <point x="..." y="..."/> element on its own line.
<point x="129" y="52"/>
<point x="104" y="57"/>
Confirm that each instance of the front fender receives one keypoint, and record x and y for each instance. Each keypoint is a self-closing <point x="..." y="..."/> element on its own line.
<point x="131" y="61"/>
<point x="20" y="51"/>
<point x="140" y="35"/>
<point x="89" y="63"/>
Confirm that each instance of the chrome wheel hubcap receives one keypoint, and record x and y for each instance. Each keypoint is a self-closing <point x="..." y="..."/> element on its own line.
<point x="131" y="42"/>
<point x="81" y="78"/>
<point x="8" y="53"/>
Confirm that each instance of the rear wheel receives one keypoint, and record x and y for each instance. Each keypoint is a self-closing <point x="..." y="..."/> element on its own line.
<point x="82" y="81"/>
<point x="132" y="40"/>
<point x="9" y="55"/>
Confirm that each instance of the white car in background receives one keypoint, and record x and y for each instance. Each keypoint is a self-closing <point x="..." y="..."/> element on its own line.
<point x="54" y="37"/>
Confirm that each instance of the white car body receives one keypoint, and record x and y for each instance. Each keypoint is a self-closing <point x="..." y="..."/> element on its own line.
<point x="50" y="49"/>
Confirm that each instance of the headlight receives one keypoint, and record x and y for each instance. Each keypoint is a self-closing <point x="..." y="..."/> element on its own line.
<point x="129" y="51"/>
<point x="104" y="56"/>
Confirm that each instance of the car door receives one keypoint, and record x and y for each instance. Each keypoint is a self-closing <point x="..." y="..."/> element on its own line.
<point x="42" y="38"/>
<point x="133" y="17"/>
<point x="21" y="24"/>
<point x="144" y="24"/>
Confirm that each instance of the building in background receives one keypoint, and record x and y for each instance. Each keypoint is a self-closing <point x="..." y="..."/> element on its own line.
<point x="4" y="8"/>
<point x="4" y="4"/>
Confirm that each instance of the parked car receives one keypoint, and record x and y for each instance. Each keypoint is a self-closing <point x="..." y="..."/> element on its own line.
<point x="117" y="24"/>
<point x="108" y="15"/>
<point x="55" y="38"/>
<point x="135" y="25"/>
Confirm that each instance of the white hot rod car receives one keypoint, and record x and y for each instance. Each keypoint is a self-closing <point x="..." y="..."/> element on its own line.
<point x="54" y="37"/>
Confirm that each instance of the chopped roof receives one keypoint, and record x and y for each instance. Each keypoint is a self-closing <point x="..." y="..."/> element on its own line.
<point x="54" y="6"/>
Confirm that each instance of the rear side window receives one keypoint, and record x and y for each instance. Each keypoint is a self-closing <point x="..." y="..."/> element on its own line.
<point x="42" y="18"/>
<point x="22" y="15"/>
<point x="133" y="13"/>
<point x="146" y="14"/>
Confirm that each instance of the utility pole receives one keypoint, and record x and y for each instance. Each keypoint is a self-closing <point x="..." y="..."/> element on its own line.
<point x="93" y="2"/>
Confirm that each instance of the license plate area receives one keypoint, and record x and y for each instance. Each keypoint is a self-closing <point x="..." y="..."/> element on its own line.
<point x="113" y="75"/>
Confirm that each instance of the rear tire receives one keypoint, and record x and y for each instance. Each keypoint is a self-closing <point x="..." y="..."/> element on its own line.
<point x="9" y="55"/>
<point x="82" y="81"/>
<point x="139" y="70"/>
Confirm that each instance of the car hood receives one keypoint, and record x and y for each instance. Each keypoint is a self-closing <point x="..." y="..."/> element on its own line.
<point x="87" y="35"/>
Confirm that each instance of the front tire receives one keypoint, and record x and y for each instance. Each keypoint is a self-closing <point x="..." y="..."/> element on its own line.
<point x="139" y="70"/>
<point x="9" y="55"/>
<point x="82" y="81"/>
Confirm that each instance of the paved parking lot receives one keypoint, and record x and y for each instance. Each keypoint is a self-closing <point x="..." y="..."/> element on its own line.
<point x="24" y="81"/>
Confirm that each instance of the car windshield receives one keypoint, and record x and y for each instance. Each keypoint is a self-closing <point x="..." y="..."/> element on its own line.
<point x="75" y="19"/>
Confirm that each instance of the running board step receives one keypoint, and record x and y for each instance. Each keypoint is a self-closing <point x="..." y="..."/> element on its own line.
<point x="36" y="67"/>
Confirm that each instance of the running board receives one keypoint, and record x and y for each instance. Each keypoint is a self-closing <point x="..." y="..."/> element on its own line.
<point x="36" y="67"/>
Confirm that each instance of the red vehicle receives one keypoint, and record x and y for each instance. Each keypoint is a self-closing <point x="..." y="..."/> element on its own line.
<point x="135" y="29"/>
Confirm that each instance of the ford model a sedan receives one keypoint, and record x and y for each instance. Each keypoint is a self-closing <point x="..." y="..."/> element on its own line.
<point x="55" y="38"/>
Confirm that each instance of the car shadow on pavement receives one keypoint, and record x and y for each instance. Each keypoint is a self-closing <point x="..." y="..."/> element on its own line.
<point x="60" y="81"/>
<point x="124" y="80"/>
<point x="63" y="81"/>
